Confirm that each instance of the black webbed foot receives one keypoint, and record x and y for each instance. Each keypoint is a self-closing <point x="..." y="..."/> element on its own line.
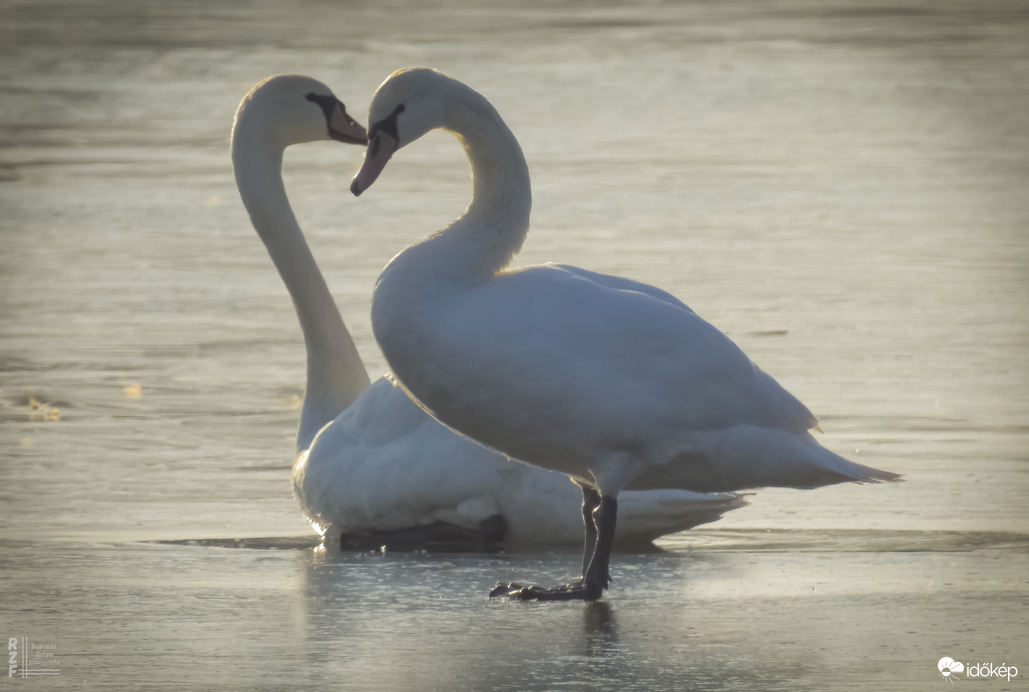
<point x="599" y="517"/>
<point x="576" y="591"/>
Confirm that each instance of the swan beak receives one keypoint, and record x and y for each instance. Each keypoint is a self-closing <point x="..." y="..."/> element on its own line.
<point x="380" y="149"/>
<point x="343" y="128"/>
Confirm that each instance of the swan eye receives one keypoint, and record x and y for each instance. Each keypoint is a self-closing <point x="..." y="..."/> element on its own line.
<point x="388" y="125"/>
<point x="327" y="103"/>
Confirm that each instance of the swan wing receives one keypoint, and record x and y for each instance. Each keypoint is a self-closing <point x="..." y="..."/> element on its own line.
<point x="620" y="283"/>
<point x="636" y="357"/>
<point x="384" y="465"/>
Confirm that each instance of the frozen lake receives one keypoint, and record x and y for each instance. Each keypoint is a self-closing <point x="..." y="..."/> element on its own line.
<point x="840" y="188"/>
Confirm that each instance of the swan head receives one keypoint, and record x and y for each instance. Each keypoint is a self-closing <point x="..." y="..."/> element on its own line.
<point x="410" y="103"/>
<point x="292" y="109"/>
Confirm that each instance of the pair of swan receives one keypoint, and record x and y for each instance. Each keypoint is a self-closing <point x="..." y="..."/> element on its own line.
<point x="613" y="382"/>
<point x="370" y="464"/>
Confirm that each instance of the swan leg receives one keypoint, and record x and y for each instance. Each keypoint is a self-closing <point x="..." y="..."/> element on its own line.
<point x="604" y="518"/>
<point x="590" y="502"/>
<point x="596" y="576"/>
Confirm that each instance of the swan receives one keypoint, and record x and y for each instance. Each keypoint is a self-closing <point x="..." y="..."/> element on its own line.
<point x="370" y="465"/>
<point x="611" y="381"/>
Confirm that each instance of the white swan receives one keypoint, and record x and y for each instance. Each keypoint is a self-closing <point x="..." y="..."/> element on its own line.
<point x="369" y="462"/>
<point x="612" y="381"/>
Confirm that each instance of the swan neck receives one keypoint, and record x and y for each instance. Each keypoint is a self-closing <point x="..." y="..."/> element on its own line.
<point x="335" y="373"/>
<point x="496" y="222"/>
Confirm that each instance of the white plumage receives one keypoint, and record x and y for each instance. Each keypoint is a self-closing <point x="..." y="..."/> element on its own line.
<point x="612" y="381"/>
<point x="369" y="461"/>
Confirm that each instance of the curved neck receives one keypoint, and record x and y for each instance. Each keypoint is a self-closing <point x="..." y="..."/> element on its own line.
<point x="335" y="373"/>
<point x="492" y="229"/>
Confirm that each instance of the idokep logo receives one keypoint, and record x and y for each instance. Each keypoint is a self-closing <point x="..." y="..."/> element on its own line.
<point x="949" y="669"/>
<point x="948" y="666"/>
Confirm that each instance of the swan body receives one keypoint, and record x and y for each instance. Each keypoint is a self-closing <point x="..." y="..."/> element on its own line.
<point x="385" y="465"/>
<point x="614" y="382"/>
<point x="369" y="462"/>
